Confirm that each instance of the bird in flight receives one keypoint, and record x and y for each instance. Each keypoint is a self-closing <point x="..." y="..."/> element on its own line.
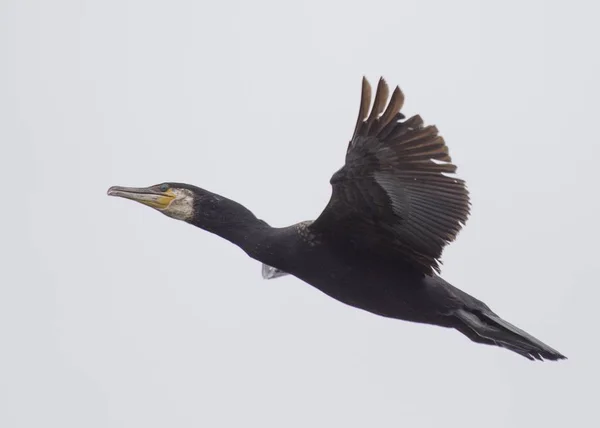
<point x="377" y="244"/>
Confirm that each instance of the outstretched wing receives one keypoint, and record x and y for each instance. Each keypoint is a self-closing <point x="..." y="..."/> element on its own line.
<point x="395" y="194"/>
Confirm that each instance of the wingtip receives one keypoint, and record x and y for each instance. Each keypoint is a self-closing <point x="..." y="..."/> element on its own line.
<point x="364" y="83"/>
<point x="365" y="104"/>
<point x="366" y="86"/>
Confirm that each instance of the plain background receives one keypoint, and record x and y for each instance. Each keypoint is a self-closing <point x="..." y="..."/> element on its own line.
<point x="112" y="315"/>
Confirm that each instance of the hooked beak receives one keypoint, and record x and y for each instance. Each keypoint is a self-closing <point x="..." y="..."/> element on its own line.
<point x="145" y="195"/>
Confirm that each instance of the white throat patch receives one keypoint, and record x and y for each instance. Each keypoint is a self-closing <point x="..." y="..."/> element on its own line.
<point x="182" y="207"/>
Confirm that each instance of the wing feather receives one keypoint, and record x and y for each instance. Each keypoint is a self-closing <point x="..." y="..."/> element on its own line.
<point x="395" y="194"/>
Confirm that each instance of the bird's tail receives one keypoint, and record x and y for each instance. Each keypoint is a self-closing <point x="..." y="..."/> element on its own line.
<point x="487" y="327"/>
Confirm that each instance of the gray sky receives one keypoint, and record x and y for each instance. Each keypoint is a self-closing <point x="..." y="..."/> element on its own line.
<point x="112" y="315"/>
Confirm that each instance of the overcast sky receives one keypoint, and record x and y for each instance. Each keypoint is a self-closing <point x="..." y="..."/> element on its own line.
<point x="112" y="315"/>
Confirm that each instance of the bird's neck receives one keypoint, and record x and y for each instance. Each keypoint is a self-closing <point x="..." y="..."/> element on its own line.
<point x="241" y="227"/>
<point x="251" y="236"/>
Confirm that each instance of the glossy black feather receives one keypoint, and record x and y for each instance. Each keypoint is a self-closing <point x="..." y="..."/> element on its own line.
<point x="394" y="194"/>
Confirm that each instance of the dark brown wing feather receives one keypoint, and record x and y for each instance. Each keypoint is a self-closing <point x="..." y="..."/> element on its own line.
<point x="394" y="195"/>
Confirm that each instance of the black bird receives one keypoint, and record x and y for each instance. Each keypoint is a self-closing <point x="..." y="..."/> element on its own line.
<point x="395" y="204"/>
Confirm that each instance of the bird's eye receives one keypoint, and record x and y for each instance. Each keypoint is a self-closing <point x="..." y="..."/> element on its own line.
<point x="164" y="187"/>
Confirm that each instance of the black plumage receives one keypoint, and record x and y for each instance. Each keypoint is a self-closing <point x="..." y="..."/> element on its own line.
<point x="395" y="204"/>
<point x="392" y="195"/>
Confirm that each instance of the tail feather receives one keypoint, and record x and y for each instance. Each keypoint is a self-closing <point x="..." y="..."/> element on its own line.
<point x="487" y="327"/>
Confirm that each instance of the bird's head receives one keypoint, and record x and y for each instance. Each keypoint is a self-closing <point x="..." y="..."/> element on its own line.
<point x="174" y="200"/>
<point x="189" y="203"/>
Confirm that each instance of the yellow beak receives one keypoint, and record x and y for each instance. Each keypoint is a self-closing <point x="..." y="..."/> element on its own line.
<point x="148" y="195"/>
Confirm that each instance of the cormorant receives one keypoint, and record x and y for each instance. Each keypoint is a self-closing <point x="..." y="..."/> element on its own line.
<point x="395" y="204"/>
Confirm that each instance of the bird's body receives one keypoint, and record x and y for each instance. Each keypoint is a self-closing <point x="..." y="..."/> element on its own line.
<point x="382" y="286"/>
<point x="376" y="246"/>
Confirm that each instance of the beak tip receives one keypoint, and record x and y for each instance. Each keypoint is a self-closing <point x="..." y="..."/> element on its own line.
<point x="111" y="191"/>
